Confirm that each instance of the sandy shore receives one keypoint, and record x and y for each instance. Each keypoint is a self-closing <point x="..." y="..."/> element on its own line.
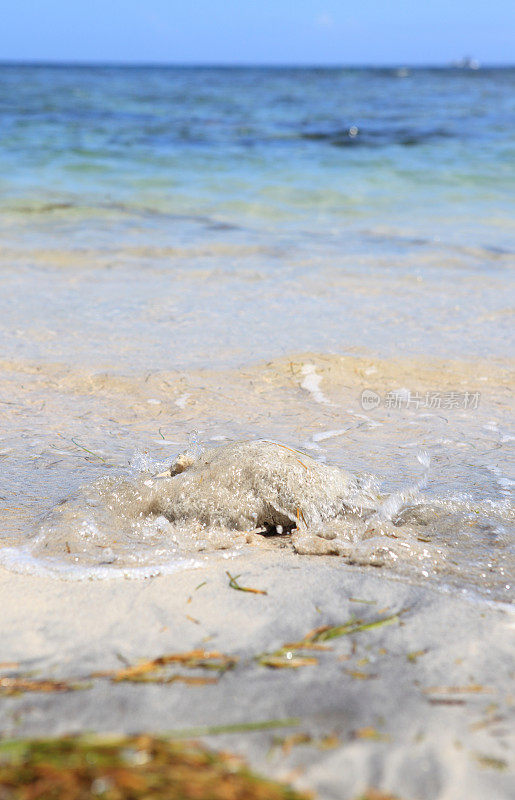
<point x="421" y="707"/>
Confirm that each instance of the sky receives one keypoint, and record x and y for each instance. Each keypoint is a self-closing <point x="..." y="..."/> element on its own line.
<point x="258" y="31"/>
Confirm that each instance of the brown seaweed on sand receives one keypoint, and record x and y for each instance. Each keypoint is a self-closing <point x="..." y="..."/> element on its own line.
<point x="134" y="768"/>
<point x="154" y="670"/>
<point x="287" y="656"/>
<point x="12" y="686"/>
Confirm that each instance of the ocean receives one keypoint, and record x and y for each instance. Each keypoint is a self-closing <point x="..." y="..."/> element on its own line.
<point x="195" y="256"/>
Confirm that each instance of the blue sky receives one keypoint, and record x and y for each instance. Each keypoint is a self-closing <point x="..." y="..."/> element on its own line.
<point x="261" y="31"/>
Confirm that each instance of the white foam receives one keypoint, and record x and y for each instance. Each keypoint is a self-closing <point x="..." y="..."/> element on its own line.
<point x="491" y="425"/>
<point x="394" y="503"/>
<point x="144" y="462"/>
<point x="321" y="437"/>
<point x="311" y="383"/>
<point x="21" y="560"/>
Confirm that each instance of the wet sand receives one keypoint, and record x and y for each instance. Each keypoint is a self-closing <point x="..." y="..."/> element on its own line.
<point x="67" y="428"/>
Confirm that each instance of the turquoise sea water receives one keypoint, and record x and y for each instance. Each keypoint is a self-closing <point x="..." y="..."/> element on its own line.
<point x="429" y="152"/>
<point x="323" y="188"/>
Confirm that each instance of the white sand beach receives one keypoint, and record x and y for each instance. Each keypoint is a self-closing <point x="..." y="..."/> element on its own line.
<point x="421" y="707"/>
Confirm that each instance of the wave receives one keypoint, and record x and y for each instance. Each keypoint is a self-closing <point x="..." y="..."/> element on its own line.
<point x="216" y="503"/>
<point x="369" y="137"/>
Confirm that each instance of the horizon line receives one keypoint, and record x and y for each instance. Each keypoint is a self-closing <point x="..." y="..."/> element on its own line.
<point x="454" y="64"/>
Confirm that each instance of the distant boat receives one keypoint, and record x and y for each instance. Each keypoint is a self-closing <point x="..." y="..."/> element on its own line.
<point x="466" y="63"/>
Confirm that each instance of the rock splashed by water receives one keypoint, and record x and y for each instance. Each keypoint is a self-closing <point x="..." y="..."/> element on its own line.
<point x="230" y="498"/>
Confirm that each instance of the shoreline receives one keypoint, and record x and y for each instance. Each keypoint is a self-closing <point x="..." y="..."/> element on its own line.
<point x="69" y="427"/>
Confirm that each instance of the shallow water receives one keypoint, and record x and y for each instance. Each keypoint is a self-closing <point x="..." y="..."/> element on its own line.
<point x="244" y="253"/>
